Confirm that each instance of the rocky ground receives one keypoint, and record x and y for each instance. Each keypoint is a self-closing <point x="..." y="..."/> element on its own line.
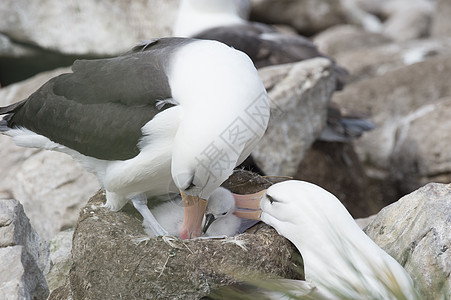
<point x="397" y="54"/>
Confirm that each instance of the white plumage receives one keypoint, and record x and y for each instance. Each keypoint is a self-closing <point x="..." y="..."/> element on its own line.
<point x="339" y="258"/>
<point x="221" y="205"/>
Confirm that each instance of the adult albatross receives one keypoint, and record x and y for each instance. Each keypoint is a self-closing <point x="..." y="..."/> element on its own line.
<point x="172" y="115"/>
<point x="339" y="258"/>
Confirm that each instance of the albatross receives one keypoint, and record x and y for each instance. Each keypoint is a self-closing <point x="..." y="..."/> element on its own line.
<point x="172" y="115"/>
<point x="339" y="258"/>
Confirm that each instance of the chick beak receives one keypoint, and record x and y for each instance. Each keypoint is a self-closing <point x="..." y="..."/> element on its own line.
<point x="209" y="219"/>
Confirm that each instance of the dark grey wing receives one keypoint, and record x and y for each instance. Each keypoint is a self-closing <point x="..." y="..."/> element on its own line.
<point x="99" y="109"/>
<point x="262" y="44"/>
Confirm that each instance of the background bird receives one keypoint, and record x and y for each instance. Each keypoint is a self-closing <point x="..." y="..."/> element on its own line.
<point x="226" y="21"/>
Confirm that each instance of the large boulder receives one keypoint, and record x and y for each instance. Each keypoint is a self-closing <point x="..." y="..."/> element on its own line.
<point x="299" y="94"/>
<point x="344" y="38"/>
<point x="306" y="16"/>
<point x="407" y="19"/>
<point x="441" y="25"/>
<point x="50" y="185"/>
<point x="24" y="255"/>
<point x="415" y="231"/>
<point x="376" y="61"/>
<point x="390" y="99"/>
<point x="100" y="28"/>
<point x="422" y="152"/>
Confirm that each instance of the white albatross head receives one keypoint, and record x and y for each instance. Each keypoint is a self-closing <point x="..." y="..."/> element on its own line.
<point x="338" y="256"/>
<point x="224" y="113"/>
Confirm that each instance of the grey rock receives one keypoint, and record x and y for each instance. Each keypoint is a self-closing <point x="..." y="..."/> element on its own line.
<point x="415" y="231"/>
<point x="357" y="15"/>
<point x="422" y="152"/>
<point x="102" y="28"/>
<point x="51" y="186"/>
<point x="388" y="99"/>
<point x="299" y="94"/>
<point x="344" y="38"/>
<point x="376" y="61"/>
<point x="10" y="49"/>
<point x="337" y="168"/>
<point x="364" y="222"/>
<point x="306" y="16"/>
<point x="408" y="19"/>
<point x="24" y="255"/>
<point x="20" y="277"/>
<point x="113" y="260"/>
<point x="441" y="25"/>
<point x="61" y="259"/>
<point x="15" y="230"/>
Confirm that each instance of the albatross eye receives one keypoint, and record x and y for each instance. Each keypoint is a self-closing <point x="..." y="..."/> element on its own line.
<point x="271" y="199"/>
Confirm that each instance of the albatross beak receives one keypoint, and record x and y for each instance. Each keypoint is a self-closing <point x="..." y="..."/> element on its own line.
<point x="209" y="219"/>
<point x="248" y="206"/>
<point x="194" y="213"/>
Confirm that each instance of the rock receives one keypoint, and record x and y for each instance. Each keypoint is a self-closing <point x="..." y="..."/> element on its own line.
<point x="10" y="49"/>
<point x="61" y="259"/>
<point x="22" y="90"/>
<point x="101" y="28"/>
<point x="389" y="99"/>
<point x="407" y="19"/>
<point x="421" y="153"/>
<point x="308" y="17"/>
<point x="24" y="255"/>
<point x="15" y="230"/>
<point x="299" y="94"/>
<point x="19" y="61"/>
<point x="61" y="293"/>
<point x="373" y="7"/>
<point x="415" y="231"/>
<point x="344" y="38"/>
<point x="364" y="222"/>
<point x="112" y="259"/>
<point x="50" y="185"/>
<point x="356" y="15"/>
<point x="441" y="25"/>
<point x="20" y="277"/>
<point x="336" y="168"/>
<point x="376" y="61"/>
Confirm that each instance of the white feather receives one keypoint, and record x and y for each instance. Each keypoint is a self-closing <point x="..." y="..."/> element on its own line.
<point x="337" y="254"/>
<point x="221" y="93"/>
<point x="221" y="204"/>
